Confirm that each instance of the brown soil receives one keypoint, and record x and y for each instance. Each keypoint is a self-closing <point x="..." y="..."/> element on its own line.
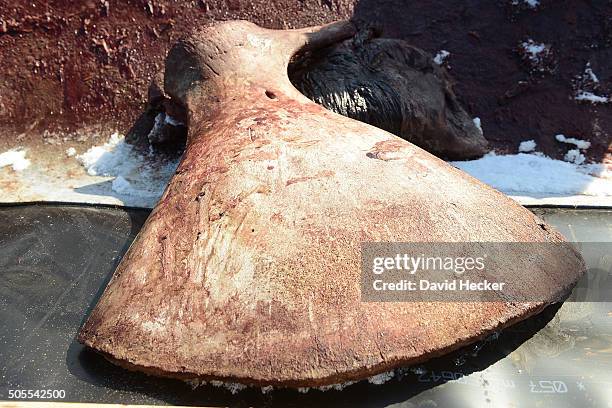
<point x="68" y="65"/>
<point x="515" y="100"/>
<point x="71" y="65"/>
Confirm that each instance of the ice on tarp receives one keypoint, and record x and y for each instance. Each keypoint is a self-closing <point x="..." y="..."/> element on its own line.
<point x="16" y="158"/>
<point x="537" y="175"/>
<point x="136" y="173"/>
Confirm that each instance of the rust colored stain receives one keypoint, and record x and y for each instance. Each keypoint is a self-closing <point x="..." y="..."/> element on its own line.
<point x="390" y="150"/>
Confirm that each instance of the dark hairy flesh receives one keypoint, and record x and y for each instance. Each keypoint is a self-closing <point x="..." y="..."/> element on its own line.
<point x="394" y="86"/>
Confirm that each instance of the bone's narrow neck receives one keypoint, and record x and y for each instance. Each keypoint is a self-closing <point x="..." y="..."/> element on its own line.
<point x="219" y="61"/>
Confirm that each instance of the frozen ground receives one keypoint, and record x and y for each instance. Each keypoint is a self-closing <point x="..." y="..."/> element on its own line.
<point x="140" y="174"/>
<point x="111" y="173"/>
<point x="16" y="158"/>
<point x="117" y="173"/>
<point x="538" y="176"/>
<point x="530" y="177"/>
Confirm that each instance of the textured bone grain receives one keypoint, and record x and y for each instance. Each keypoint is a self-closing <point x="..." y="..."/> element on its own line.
<point x="248" y="269"/>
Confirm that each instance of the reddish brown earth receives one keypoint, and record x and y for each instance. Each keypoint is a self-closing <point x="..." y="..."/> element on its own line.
<point x="69" y="65"/>
<point x="492" y="79"/>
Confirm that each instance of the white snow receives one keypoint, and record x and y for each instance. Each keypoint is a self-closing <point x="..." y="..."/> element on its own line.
<point x="574" y="156"/>
<point x="533" y="49"/>
<point x="588" y="72"/>
<point x="71" y="151"/>
<point x="527" y="146"/>
<point x="142" y="174"/>
<point x="16" y="158"/>
<point x="580" y="144"/>
<point x="441" y="57"/>
<point x="586" y="85"/>
<point x="531" y="3"/>
<point x="478" y="124"/>
<point x="535" y="175"/>
<point x="591" y="97"/>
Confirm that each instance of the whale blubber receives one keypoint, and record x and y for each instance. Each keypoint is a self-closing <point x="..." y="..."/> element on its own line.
<point x="248" y="270"/>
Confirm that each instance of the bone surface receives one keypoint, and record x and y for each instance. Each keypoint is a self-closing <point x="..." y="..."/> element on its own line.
<point x="248" y="269"/>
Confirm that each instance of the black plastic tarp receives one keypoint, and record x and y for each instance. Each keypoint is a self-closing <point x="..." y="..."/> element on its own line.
<point x="56" y="260"/>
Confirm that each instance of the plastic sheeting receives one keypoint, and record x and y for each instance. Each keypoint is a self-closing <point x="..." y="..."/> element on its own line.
<point x="56" y="260"/>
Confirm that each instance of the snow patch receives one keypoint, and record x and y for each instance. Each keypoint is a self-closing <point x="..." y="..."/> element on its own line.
<point x="535" y="175"/>
<point x="580" y="144"/>
<point x="478" y="124"/>
<point x="530" y="3"/>
<point x="71" y="151"/>
<point x="586" y="85"/>
<point x="591" y="97"/>
<point x="142" y="174"/>
<point x="441" y="56"/>
<point x="539" y="57"/>
<point x="588" y="72"/>
<point x="527" y="146"/>
<point x="16" y="158"/>
<point x="574" y="156"/>
<point x="533" y="50"/>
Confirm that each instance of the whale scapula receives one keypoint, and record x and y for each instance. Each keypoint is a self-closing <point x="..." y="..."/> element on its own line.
<point x="248" y="269"/>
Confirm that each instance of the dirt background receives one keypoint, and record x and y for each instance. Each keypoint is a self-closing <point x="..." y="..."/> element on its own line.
<point x="77" y="70"/>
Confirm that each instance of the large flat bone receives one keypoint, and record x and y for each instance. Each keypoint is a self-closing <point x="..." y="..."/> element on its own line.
<point x="248" y="270"/>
